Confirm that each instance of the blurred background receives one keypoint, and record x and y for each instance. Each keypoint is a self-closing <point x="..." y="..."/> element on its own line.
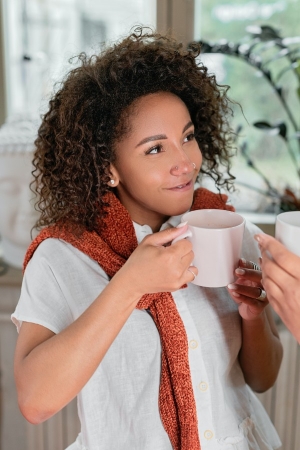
<point x="252" y="46"/>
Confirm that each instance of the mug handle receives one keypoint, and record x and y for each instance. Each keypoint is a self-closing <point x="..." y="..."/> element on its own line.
<point x="188" y="233"/>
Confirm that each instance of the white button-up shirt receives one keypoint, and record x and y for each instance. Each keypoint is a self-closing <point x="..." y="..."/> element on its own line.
<point x="118" y="407"/>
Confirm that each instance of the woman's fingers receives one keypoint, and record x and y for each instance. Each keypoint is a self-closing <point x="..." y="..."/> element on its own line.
<point x="274" y="272"/>
<point x="166" y="266"/>
<point x="274" y="250"/>
<point x="187" y="257"/>
<point x="165" y="237"/>
<point x="251" y="300"/>
<point x="247" y="292"/>
<point x="275" y="294"/>
<point x="247" y="271"/>
<point x="193" y="271"/>
<point x="248" y="264"/>
<point x="249" y="306"/>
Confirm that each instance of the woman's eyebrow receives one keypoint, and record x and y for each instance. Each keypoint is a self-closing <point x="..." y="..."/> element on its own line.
<point x="158" y="137"/>
<point x="188" y="125"/>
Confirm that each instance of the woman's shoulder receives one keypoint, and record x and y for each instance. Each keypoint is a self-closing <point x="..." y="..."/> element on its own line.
<point x="60" y="256"/>
<point x="50" y="247"/>
<point x="59" y="283"/>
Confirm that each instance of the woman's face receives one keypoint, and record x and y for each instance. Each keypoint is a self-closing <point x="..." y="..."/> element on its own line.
<point x="157" y="162"/>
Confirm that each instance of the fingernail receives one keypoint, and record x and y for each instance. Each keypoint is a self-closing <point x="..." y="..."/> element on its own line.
<point x="232" y="286"/>
<point x="181" y="225"/>
<point x="243" y="260"/>
<point x="235" y="294"/>
<point x="240" y="271"/>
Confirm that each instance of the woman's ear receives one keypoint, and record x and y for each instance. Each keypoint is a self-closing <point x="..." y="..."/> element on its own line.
<point x="114" y="178"/>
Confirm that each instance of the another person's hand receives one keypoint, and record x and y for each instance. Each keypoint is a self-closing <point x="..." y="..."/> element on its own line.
<point x="281" y="280"/>
<point x="247" y="291"/>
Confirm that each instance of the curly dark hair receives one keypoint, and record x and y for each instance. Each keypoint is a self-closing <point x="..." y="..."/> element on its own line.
<point x="75" y="143"/>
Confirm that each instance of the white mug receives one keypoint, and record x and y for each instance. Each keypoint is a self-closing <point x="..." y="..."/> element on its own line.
<point x="287" y="230"/>
<point x="217" y="238"/>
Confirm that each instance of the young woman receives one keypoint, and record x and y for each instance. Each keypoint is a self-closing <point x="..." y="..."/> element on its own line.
<point x="118" y="154"/>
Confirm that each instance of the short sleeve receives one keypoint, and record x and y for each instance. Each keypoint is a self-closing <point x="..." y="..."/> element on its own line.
<point x="59" y="283"/>
<point x="41" y="300"/>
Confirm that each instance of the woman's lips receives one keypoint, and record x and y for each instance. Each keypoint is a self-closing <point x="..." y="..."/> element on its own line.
<point x="182" y="187"/>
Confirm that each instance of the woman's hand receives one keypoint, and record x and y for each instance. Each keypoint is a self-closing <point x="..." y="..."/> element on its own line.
<point x="281" y="279"/>
<point x="261" y="351"/>
<point x="247" y="291"/>
<point x="156" y="266"/>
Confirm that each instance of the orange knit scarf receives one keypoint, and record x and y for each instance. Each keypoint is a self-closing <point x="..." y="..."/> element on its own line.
<point x="111" y="246"/>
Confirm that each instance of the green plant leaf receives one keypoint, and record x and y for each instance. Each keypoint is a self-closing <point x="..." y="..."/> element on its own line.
<point x="278" y="128"/>
<point x="262" y="125"/>
<point x="265" y="32"/>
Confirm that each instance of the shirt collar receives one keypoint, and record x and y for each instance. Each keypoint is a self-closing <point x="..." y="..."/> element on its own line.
<point x="142" y="231"/>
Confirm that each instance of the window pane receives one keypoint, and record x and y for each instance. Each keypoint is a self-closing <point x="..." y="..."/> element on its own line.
<point x="216" y="21"/>
<point x="42" y="35"/>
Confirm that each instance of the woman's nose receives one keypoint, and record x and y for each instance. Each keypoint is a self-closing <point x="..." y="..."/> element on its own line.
<point x="184" y="166"/>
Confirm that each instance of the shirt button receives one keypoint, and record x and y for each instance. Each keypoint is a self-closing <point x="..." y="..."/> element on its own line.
<point x="208" y="434"/>
<point x="203" y="386"/>
<point x="193" y="344"/>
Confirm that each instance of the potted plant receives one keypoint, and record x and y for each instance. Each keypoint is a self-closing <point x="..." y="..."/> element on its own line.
<point x="271" y="56"/>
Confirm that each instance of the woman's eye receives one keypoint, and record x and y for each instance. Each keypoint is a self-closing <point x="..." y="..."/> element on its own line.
<point x="189" y="137"/>
<point x="154" y="150"/>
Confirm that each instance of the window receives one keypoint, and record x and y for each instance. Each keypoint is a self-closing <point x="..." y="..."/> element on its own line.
<point x="216" y="21"/>
<point x="42" y="35"/>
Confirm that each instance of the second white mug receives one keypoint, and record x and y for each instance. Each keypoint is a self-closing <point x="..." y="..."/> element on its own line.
<point x="287" y="230"/>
